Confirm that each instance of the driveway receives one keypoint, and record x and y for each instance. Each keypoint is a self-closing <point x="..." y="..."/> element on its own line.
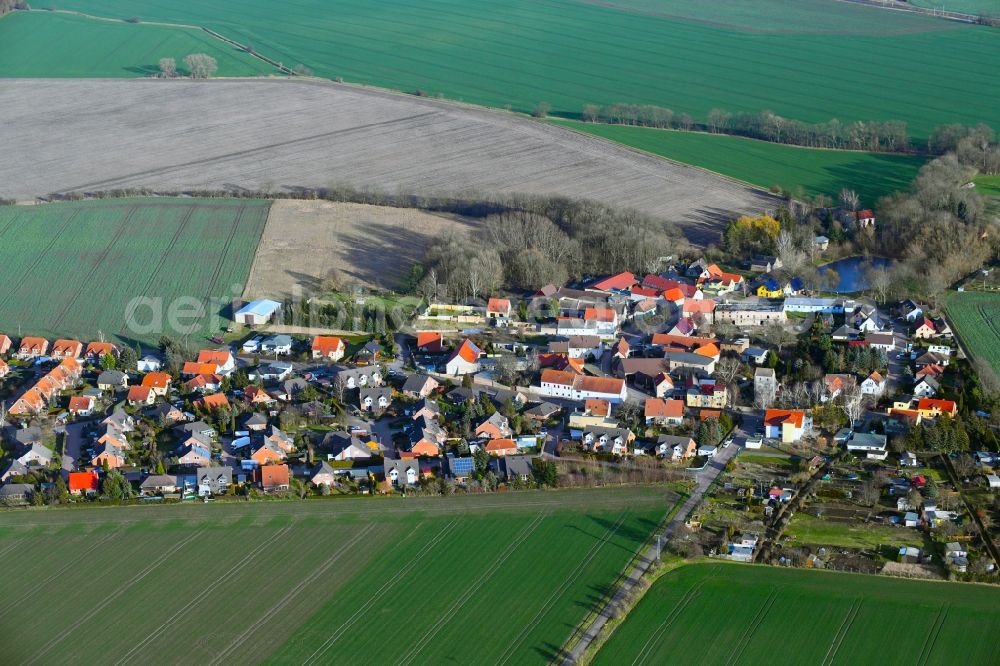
<point x="73" y="444"/>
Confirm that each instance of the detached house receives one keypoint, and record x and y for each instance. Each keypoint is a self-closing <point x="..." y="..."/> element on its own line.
<point x="81" y="405"/>
<point x="83" y="483"/>
<point x="788" y="425"/>
<point x="569" y="385"/>
<point x="874" y="385"/>
<point x="464" y="360"/>
<point x="430" y="342"/>
<point x="140" y="395"/>
<point x="274" y="478"/>
<point x="498" y="310"/>
<point x="664" y="412"/>
<point x="925" y="330"/>
<point x="5" y="345"/>
<point x="496" y="426"/>
<point x="221" y="359"/>
<point x="328" y="347"/>
<point x="157" y="382"/>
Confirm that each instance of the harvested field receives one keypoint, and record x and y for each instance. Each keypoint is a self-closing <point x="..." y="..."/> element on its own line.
<point x="307" y="242"/>
<point x="318" y="581"/>
<point x="281" y="135"/>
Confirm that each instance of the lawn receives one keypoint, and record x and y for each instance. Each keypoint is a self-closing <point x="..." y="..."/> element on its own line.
<point x="810" y="171"/>
<point x="484" y="579"/>
<point x="739" y="614"/>
<point x="810" y="61"/>
<point x="73" y="269"/>
<point x="41" y="44"/>
<point x="808" y="529"/>
<point x="976" y="318"/>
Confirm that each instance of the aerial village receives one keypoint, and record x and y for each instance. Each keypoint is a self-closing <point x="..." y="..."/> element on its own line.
<point x="798" y="403"/>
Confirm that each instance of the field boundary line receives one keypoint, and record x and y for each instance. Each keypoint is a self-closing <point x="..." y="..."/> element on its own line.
<point x="156" y="633"/>
<point x="690" y="595"/>
<point x="281" y="603"/>
<point x="842" y="631"/>
<point x="241" y="154"/>
<point x="559" y="591"/>
<point x="10" y="605"/>
<point x="163" y="557"/>
<point x="751" y="629"/>
<point x="225" y="249"/>
<point x="374" y="597"/>
<point x="512" y="547"/>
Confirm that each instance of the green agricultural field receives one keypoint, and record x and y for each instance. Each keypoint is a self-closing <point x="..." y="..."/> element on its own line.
<point x="810" y="171"/>
<point x="806" y="61"/>
<point x="41" y="44"/>
<point x="72" y="269"/>
<point x="976" y="318"/>
<point x="741" y="614"/>
<point x="975" y="7"/>
<point x="465" y="579"/>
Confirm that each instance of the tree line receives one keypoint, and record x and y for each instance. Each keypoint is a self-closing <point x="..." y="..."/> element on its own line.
<point x="872" y="135"/>
<point x="547" y="240"/>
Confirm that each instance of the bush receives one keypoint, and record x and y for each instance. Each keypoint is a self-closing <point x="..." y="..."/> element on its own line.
<point x="541" y="110"/>
<point x="132" y="19"/>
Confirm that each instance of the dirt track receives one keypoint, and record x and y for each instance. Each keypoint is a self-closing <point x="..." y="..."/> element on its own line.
<point x="90" y="135"/>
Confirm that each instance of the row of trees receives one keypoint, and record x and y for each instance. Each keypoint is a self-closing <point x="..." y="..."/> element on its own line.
<point x="882" y="136"/>
<point x="199" y="66"/>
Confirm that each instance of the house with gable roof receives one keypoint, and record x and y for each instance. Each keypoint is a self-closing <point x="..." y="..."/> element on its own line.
<point x="464" y="360"/>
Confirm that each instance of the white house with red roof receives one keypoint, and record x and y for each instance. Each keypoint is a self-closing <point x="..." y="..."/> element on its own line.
<point x="620" y="282"/>
<point x="464" y="360"/>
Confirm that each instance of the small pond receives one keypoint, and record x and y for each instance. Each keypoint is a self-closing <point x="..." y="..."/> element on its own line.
<point x="851" y="271"/>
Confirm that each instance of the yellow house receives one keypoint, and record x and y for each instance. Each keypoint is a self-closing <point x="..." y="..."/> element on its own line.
<point x="770" y="288"/>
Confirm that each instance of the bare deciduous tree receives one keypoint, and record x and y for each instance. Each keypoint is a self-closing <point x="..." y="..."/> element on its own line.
<point x="879" y="280"/>
<point x="853" y="403"/>
<point x="849" y="199"/>
<point x="168" y="68"/>
<point x="201" y="65"/>
<point x="869" y="492"/>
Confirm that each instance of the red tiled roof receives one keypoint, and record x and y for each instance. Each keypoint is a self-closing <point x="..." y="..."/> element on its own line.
<point x="215" y="357"/>
<point x="621" y="281"/>
<point x="28" y="343"/>
<point x="468" y="351"/>
<point x="80" y="403"/>
<point x="500" y="444"/>
<point x="599" y="314"/>
<point x="326" y="344"/>
<point x="498" y="305"/>
<point x="698" y="305"/>
<point x="159" y="380"/>
<point x="195" y="368"/>
<point x="685" y="341"/>
<point x="214" y="401"/>
<point x="274" y="475"/>
<point x="139" y="393"/>
<point x="83" y="481"/>
<point x="776" y="417"/>
<point x="100" y="349"/>
<point x="595" y="406"/>
<point x="658" y="408"/>
<point x="430" y="341"/>
<point x="931" y="404"/>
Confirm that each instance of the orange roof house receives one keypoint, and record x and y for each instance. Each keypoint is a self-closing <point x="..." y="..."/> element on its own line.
<point x="606" y="315"/>
<point x="159" y="382"/>
<point x="192" y="368"/>
<point x="140" y="395"/>
<point x="222" y="359"/>
<point x="430" y="342"/>
<point x="274" y="478"/>
<point x="4" y="368"/>
<point x="83" y="482"/>
<point x="498" y="307"/>
<point x="98" y="350"/>
<point x="596" y="407"/>
<point x="328" y="347"/>
<point x="267" y="452"/>
<point x="501" y="447"/>
<point x="66" y="349"/>
<point x="81" y="404"/>
<point x="31" y="347"/>
<point x="931" y="407"/>
<point x="674" y="295"/>
<point x="619" y="282"/>
<point x="698" y="306"/>
<point x="464" y="360"/>
<point x="662" y="411"/>
<point x="555" y="383"/>
<point x="787" y="424"/>
<point x="688" y="342"/>
<point x="257" y="395"/>
<point x="58" y="378"/>
<point x="210" y="403"/>
<point x="710" y="350"/>
<point x="5" y="344"/>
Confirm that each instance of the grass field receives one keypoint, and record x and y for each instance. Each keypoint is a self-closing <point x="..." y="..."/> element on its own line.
<point x="737" y="614"/>
<point x="976" y="318"/>
<point x="55" y="44"/>
<point x="71" y="269"/>
<point x="807" y="529"/>
<point x="484" y="579"/>
<point x="569" y="52"/>
<point x="806" y="170"/>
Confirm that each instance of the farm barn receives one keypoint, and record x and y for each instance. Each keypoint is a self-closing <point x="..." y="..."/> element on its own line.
<point x="258" y="313"/>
